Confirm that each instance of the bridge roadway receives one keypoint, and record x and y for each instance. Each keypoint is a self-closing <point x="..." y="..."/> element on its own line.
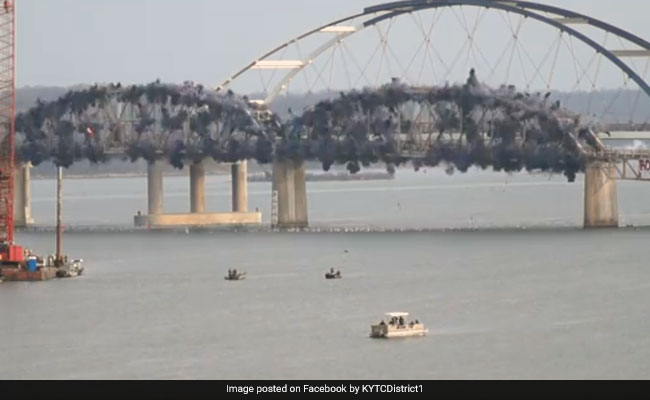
<point x="289" y="191"/>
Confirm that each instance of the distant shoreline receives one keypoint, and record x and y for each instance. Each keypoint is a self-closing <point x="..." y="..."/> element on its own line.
<point x="114" y="176"/>
<point x="316" y="229"/>
<point x="253" y="178"/>
<point x="330" y="176"/>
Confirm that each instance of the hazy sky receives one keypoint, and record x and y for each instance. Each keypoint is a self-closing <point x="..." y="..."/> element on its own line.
<point x="65" y="42"/>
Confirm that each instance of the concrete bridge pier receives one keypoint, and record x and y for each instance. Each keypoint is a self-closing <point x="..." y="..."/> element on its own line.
<point x="198" y="215"/>
<point x="601" y="197"/>
<point x="197" y="187"/>
<point x="240" y="187"/>
<point x="300" y="196"/>
<point x="155" y="187"/>
<point x="283" y="194"/>
<point x="22" y="196"/>
<point x="290" y="194"/>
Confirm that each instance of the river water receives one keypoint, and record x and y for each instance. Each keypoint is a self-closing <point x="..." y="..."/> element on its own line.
<point x="495" y="265"/>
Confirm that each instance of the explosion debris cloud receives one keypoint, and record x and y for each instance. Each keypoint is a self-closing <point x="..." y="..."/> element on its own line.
<point x="176" y="122"/>
<point x="459" y="127"/>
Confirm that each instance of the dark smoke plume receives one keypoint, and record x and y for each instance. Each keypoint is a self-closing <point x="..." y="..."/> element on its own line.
<point x="459" y="127"/>
<point x="175" y="122"/>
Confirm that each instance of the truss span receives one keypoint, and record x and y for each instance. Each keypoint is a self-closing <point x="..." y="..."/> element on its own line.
<point x="176" y="122"/>
<point x="458" y="127"/>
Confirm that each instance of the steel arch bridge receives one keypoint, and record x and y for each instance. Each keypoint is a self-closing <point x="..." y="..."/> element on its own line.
<point x="389" y="84"/>
<point x="592" y="49"/>
<point x="483" y="121"/>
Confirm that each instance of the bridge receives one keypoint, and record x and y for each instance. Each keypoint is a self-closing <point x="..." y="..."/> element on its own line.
<point x="376" y="86"/>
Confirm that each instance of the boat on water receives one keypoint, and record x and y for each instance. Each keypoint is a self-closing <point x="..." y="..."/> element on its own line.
<point x="70" y="269"/>
<point x="28" y="267"/>
<point x="234" y="275"/>
<point x="42" y="269"/>
<point x="333" y="275"/>
<point x="397" y="327"/>
<point x="27" y="271"/>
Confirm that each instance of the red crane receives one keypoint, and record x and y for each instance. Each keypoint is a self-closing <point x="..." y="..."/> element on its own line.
<point x="9" y="252"/>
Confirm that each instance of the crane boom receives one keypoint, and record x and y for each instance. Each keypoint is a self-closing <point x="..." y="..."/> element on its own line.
<point x="8" y="251"/>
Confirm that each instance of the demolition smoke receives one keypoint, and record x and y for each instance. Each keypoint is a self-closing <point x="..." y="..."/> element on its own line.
<point x="176" y="122"/>
<point x="459" y="127"/>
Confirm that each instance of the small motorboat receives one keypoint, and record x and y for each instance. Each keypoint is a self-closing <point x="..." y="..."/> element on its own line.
<point x="234" y="275"/>
<point x="397" y="327"/>
<point x="70" y="269"/>
<point x="333" y="275"/>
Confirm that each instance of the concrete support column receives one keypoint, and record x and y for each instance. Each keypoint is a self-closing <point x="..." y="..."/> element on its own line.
<point x="22" y="196"/>
<point x="300" y="196"/>
<point x="283" y="185"/>
<point x="155" y="187"/>
<point x="601" y="197"/>
<point x="240" y="187"/>
<point x="197" y="188"/>
<point x="198" y="217"/>
<point x="290" y="192"/>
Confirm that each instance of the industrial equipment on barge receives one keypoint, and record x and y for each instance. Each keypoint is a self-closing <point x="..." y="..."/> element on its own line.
<point x="16" y="262"/>
<point x="29" y="267"/>
<point x="13" y="263"/>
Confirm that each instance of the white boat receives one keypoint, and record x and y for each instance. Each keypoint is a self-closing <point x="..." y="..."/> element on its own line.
<point x="397" y="326"/>
<point x="70" y="269"/>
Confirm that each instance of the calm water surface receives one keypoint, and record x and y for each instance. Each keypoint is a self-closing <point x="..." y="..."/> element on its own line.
<point x="529" y="295"/>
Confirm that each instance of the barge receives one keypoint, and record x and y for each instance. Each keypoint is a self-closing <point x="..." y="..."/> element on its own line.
<point x="21" y="265"/>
